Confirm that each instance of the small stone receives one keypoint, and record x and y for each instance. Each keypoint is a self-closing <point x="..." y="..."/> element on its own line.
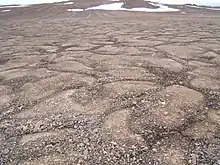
<point x="165" y="113"/>
<point x="134" y="102"/>
<point x="113" y="143"/>
<point x="81" y="145"/>
<point x="154" y="150"/>
<point x="163" y="102"/>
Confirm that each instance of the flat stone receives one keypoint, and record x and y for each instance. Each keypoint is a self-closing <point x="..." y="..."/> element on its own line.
<point x="132" y="73"/>
<point x="114" y="62"/>
<point x="50" y="49"/>
<point x="209" y="44"/>
<point x="186" y="52"/>
<point x="48" y="86"/>
<point x="213" y="72"/>
<point x="216" y="60"/>
<point x="33" y="137"/>
<point x="140" y="42"/>
<point x="206" y="83"/>
<point x="15" y="73"/>
<point x="113" y="50"/>
<point x="70" y="66"/>
<point x="165" y="63"/>
<point x="95" y="100"/>
<point x="198" y="64"/>
<point x="5" y="98"/>
<point x="116" y="123"/>
<point x="13" y="64"/>
<point x="76" y="46"/>
<point x="210" y="55"/>
<point x="70" y="56"/>
<point x="60" y="104"/>
<point x="123" y="87"/>
<point x="183" y="39"/>
<point x="20" y="60"/>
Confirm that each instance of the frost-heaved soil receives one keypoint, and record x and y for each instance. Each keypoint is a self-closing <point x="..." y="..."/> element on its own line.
<point x="109" y="87"/>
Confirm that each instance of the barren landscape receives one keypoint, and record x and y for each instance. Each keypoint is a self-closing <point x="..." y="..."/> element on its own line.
<point x="109" y="87"/>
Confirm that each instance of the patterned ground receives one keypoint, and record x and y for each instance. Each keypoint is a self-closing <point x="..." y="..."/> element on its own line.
<point x="105" y="87"/>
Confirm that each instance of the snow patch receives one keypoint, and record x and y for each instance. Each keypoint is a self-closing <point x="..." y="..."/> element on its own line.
<point x="118" y="6"/>
<point x="112" y="6"/>
<point x="75" y="10"/>
<point x="3" y="7"/>
<point x="69" y="3"/>
<point x="216" y="9"/>
<point x="3" y="11"/>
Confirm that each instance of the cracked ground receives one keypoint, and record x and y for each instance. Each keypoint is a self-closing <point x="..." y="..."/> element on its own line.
<point x="109" y="87"/>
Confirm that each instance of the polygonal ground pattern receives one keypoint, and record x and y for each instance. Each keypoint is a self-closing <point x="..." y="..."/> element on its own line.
<point x="109" y="87"/>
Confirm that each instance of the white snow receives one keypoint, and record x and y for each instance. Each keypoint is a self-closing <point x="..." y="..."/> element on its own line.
<point x="3" y="11"/>
<point x="3" y="7"/>
<point x="69" y="3"/>
<point x="217" y="9"/>
<point x="118" y="6"/>
<point x="75" y="10"/>
<point x="112" y="6"/>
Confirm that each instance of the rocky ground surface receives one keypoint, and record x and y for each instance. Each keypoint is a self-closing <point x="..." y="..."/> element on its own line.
<point x="109" y="87"/>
